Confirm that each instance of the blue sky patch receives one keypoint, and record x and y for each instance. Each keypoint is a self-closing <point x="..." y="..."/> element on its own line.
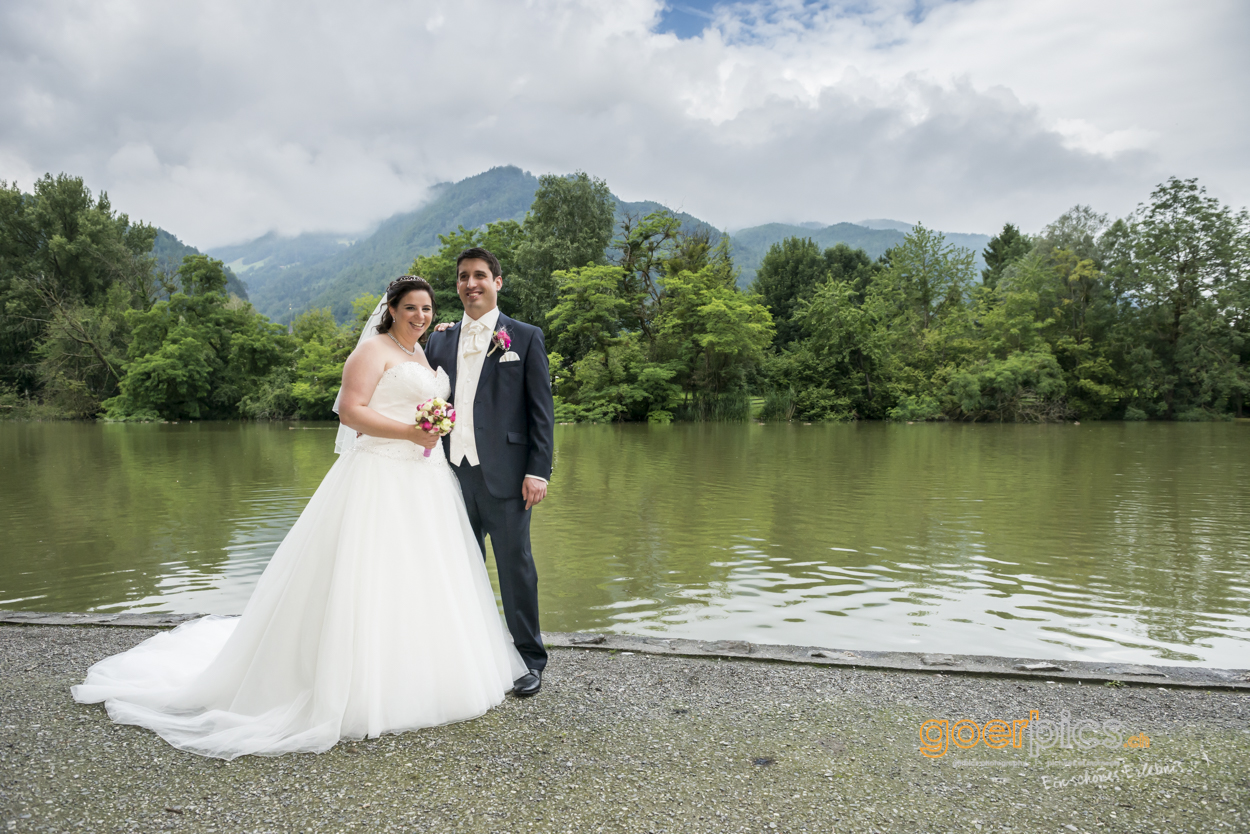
<point x="687" y="18"/>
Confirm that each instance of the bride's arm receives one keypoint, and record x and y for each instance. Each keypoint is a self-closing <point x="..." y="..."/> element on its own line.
<point x="361" y="375"/>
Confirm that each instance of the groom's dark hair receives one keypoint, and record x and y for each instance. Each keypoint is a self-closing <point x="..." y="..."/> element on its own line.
<point x="480" y="254"/>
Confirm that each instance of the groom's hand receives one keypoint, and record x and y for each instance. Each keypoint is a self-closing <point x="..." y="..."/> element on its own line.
<point x="533" y="490"/>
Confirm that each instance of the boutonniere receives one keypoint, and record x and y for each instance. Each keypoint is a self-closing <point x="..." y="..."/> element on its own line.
<point x="500" y="341"/>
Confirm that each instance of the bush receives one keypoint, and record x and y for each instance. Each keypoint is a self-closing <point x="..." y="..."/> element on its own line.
<point x="820" y="404"/>
<point x="15" y="405"/>
<point x="917" y="409"/>
<point x="778" y="405"/>
<point x="271" y="398"/>
<point x="1201" y="415"/>
<point x="1026" y="387"/>
<point x="731" y="407"/>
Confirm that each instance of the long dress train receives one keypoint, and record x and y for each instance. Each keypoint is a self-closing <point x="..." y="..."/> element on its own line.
<point x="375" y="615"/>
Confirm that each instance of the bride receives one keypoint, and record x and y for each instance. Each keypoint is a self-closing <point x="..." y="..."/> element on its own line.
<point x="375" y="614"/>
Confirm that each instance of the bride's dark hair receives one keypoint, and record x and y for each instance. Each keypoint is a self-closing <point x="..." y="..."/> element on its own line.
<point x="394" y="294"/>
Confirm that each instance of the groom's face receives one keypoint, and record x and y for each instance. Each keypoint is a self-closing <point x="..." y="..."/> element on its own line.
<point x="478" y="289"/>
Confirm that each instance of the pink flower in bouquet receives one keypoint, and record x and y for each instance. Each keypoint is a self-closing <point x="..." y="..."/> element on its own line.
<point x="435" y="415"/>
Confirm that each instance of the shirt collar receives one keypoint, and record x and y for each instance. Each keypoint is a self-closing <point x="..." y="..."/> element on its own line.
<point x="490" y="319"/>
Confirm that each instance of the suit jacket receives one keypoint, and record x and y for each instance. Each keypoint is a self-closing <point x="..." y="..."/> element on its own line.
<point x="513" y="413"/>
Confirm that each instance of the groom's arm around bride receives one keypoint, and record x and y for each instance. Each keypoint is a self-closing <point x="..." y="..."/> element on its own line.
<point x="502" y="446"/>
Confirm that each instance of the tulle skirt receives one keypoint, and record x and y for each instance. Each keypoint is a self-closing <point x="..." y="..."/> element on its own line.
<point x="375" y="615"/>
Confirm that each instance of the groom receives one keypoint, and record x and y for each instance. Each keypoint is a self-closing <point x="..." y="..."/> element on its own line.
<point x="501" y="447"/>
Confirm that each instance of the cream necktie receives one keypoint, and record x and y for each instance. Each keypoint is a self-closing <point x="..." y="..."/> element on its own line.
<point x="473" y="341"/>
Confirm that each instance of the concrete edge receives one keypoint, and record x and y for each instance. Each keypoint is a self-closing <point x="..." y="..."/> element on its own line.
<point x="962" y="664"/>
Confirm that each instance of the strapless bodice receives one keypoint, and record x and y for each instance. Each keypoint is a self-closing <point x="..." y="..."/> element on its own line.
<point x="400" y="390"/>
<point x="404" y="387"/>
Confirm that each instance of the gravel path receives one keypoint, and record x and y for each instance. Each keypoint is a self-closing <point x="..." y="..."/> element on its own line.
<point x="620" y="741"/>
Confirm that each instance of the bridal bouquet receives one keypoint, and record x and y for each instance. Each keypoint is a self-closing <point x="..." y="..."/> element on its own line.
<point x="436" y="416"/>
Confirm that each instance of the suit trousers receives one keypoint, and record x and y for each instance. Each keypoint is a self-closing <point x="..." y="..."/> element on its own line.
<point x="507" y="522"/>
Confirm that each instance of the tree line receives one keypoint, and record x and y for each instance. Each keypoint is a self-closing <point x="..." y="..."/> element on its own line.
<point x="1143" y="317"/>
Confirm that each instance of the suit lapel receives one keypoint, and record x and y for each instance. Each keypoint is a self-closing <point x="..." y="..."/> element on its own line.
<point x="453" y="338"/>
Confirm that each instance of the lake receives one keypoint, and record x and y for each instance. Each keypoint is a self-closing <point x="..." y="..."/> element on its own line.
<point x="1121" y="542"/>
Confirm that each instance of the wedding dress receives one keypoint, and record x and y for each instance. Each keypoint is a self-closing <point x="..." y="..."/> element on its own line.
<point x="375" y="615"/>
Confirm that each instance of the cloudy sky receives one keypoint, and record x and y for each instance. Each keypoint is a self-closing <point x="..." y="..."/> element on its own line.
<point x="223" y="120"/>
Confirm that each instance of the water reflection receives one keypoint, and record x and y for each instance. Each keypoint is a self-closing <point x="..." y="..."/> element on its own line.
<point x="1120" y="542"/>
<point x="147" y="517"/>
<point x="1112" y="541"/>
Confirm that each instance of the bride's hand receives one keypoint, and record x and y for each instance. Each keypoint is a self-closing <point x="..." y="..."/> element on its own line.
<point x="423" y="438"/>
<point x="441" y="326"/>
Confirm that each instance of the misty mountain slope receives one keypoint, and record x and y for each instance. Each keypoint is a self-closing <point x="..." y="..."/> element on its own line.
<point x="334" y="279"/>
<point x="287" y="275"/>
<point x="169" y="252"/>
<point x="975" y="242"/>
<point x="750" y="245"/>
<point x="274" y="251"/>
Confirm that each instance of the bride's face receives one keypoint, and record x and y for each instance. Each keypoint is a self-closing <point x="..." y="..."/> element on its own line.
<point x="413" y="314"/>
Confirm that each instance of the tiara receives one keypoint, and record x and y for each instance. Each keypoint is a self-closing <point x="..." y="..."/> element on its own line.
<point x="403" y="279"/>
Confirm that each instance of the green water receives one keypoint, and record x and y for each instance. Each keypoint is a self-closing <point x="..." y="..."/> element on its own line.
<point x="1126" y="542"/>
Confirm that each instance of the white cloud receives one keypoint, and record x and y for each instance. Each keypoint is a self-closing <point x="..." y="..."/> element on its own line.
<point x="222" y="121"/>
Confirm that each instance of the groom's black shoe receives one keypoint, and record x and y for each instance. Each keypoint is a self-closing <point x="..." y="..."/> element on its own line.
<point x="528" y="685"/>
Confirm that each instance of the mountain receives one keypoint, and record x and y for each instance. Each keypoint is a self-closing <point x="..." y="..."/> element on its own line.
<point x="873" y="236"/>
<point x="169" y="252"/>
<point x="751" y="245"/>
<point x="286" y="275"/>
<point x="883" y="224"/>
<point x="975" y="242"/>
<point x="275" y="251"/>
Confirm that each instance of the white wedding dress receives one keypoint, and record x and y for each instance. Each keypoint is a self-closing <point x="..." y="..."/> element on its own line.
<point x="375" y="615"/>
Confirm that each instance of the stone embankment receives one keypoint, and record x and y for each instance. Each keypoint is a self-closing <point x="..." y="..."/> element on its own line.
<point x="649" y="734"/>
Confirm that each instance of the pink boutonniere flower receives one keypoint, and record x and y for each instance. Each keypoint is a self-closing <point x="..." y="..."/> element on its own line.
<point x="500" y="341"/>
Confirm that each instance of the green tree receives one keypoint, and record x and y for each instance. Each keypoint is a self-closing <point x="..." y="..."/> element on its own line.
<point x="68" y="262"/>
<point x="933" y="279"/>
<point x="788" y="272"/>
<point x="647" y="247"/>
<point x="1079" y="230"/>
<point x="1003" y="250"/>
<point x="605" y="372"/>
<point x="568" y="226"/>
<point x="715" y="332"/>
<point x="81" y="354"/>
<point x="200" y="274"/>
<point x="197" y="356"/>
<point x="1182" y="263"/>
<point x="590" y="312"/>
<point x="501" y="239"/>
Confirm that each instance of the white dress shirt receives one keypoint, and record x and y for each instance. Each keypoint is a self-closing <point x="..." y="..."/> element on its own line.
<point x="475" y="343"/>
<point x="475" y="336"/>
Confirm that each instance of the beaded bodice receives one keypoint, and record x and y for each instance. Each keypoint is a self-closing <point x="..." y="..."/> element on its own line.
<point x="400" y="390"/>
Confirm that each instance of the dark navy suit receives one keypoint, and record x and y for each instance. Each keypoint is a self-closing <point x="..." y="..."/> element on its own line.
<point x="514" y="418"/>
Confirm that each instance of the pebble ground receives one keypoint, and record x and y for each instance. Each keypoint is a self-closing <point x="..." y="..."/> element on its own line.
<point x="621" y="742"/>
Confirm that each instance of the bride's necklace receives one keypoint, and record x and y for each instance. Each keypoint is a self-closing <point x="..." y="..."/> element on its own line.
<point x="412" y="352"/>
